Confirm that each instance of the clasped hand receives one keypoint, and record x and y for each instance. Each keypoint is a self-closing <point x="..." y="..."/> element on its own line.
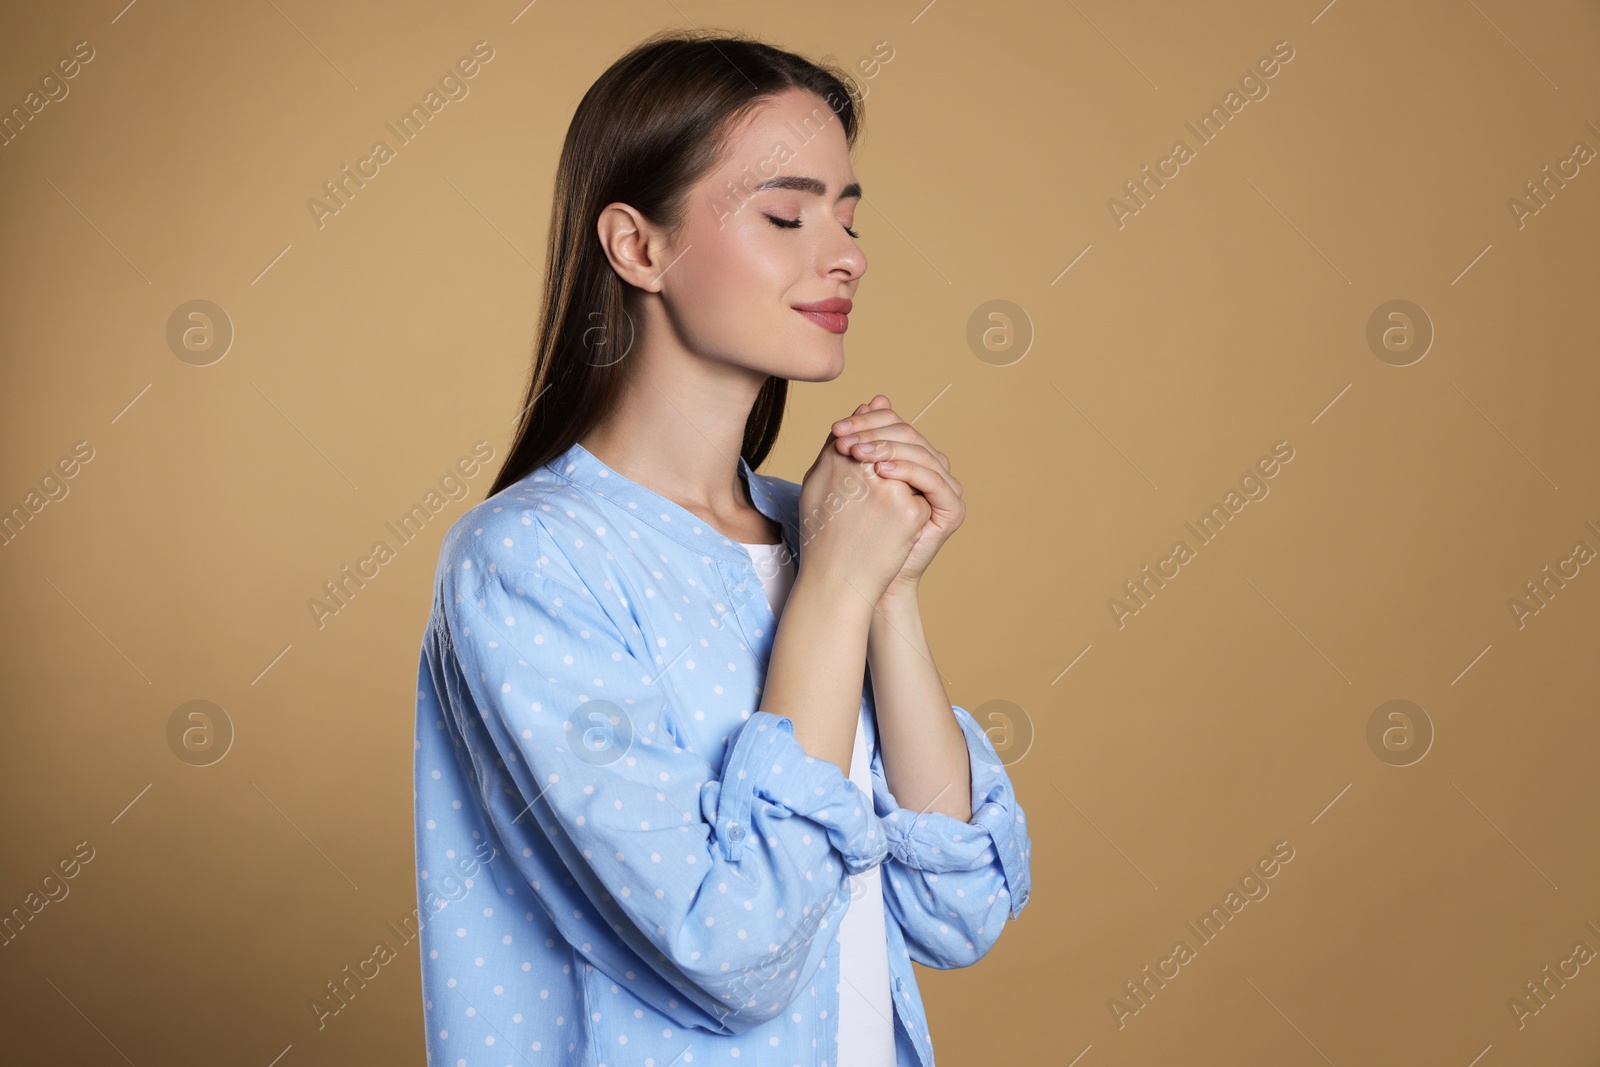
<point x="912" y="506"/>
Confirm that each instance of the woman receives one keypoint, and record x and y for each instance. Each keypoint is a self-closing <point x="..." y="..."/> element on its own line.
<point x="653" y="825"/>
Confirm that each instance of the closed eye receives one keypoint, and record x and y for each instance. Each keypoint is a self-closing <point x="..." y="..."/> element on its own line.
<point x="794" y="224"/>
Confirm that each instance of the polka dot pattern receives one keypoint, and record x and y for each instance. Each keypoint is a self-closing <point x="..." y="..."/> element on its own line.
<point x="640" y="867"/>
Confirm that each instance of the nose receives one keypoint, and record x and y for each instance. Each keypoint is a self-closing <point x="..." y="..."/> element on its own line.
<point x="845" y="259"/>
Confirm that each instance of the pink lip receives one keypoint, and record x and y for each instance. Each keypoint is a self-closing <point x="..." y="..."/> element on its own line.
<point x="832" y="314"/>
<point x="831" y="321"/>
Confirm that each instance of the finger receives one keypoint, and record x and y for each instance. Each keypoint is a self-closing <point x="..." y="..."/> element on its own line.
<point x="931" y="482"/>
<point x="906" y="451"/>
<point x="857" y="426"/>
<point x="866" y="427"/>
<point x="837" y="431"/>
<point x="898" y="430"/>
<point x="875" y="412"/>
<point x="876" y="403"/>
<point x="862" y="426"/>
<point x="895" y="431"/>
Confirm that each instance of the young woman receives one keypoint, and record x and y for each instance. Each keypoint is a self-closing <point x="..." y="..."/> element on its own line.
<point x="654" y="826"/>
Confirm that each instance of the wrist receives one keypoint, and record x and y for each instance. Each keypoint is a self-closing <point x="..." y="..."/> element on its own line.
<point x="895" y="617"/>
<point x="834" y="590"/>
<point x="899" y="600"/>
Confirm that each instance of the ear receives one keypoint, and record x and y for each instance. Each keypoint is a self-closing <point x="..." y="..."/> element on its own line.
<point x="637" y="248"/>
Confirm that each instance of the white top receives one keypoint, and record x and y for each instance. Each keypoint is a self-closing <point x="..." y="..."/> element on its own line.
<point x="866" y="1012"/>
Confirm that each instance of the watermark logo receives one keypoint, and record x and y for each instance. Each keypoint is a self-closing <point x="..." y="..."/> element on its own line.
<point x="999" y="332"/>
<point x="199" y="733"/>
<point x="1399" y="332"/>
<point x="199" y="332"/>
<point x="605" y="733"/>
<point x="1008" y="727"/>
<point x="595" y="340"/>
<point x="1399" y="732"/>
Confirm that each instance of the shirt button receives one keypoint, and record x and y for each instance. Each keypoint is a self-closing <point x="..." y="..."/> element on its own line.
<point x="735" y="832"/>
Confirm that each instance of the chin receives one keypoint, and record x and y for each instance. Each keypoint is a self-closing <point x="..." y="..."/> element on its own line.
<point x="823" y="366"/>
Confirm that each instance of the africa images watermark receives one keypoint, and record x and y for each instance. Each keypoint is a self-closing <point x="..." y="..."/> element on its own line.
<point x="339" y="591"/>
<point x="452" y="84"/>
<point x="53" y="89"/>
<point x="1540" y="590"/>
<point x="1252" y="888"/>
<point x="1540" y="191"/>
<point x="1212" y="523"/>
<point x="53" y="889"/>
<point x="753" y="978"/>
<point x="53" y="488"/>
<point x="1212" y="123"/>
<point x="340" y="992"/>
<point x="1539" y="994"/>
<point x="738" y="193"/>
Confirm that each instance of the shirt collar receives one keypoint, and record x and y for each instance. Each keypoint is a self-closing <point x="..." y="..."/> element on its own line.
<point x="581" y="467"/>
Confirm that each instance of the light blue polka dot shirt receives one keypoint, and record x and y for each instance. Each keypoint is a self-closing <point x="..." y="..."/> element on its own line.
<point x="620" y="860"/>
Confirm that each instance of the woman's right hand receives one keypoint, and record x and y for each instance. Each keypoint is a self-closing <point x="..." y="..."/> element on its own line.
<point x="856" y="529"/>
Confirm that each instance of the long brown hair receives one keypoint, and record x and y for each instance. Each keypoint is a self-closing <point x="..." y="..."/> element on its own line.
<point x="642" y="135"/>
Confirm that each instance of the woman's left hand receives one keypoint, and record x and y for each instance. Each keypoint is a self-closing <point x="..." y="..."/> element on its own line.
<point x="913" y="460"/>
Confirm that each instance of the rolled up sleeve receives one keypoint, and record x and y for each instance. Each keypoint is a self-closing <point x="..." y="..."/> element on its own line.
<point x="720" y="879"/>
<point x="952" y="885"/>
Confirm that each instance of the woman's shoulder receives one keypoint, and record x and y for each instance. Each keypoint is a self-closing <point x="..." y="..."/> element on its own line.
<point x="511" y="532"/>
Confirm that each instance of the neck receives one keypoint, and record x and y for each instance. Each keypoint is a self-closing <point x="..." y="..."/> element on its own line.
<point x="679" y="427"/>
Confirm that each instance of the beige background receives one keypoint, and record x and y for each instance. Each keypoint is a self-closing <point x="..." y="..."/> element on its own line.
<point x="1228" y="314"/>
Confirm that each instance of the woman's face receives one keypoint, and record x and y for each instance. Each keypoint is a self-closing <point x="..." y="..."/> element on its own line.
<point x="746" y="256"/>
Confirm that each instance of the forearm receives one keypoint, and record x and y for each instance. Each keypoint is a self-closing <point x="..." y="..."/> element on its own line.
<point x="925" y="756"/>
<point x="818" y="666"/>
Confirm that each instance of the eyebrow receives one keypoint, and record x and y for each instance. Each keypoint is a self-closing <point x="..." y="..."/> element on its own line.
<point x="808" y="185"/>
